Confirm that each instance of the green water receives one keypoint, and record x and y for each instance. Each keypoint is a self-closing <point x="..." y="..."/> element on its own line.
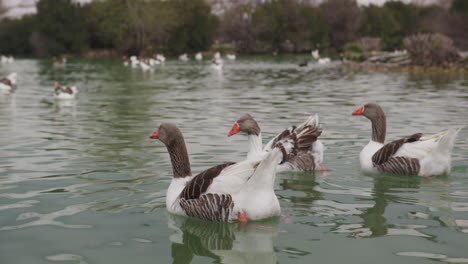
<point x="81" y="182"/>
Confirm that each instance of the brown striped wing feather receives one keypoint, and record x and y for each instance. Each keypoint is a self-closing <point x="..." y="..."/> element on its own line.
<point x="389" y="149"/>
<point x="6" y="81"/>
<point x="401" y="166"/>
<point x="210" y="207"/>
<point x="200" y="183"/>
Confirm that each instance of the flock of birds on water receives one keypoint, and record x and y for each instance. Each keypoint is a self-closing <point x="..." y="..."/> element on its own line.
<point x="244" y="191"/>
<point x="9" y="82"/>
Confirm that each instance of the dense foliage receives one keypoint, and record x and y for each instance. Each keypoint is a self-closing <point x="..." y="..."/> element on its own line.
<point x="431" y="49"/>
<point x="147" y="26"/>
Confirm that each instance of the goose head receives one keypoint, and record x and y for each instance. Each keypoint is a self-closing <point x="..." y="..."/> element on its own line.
<point x="245" y="124"/>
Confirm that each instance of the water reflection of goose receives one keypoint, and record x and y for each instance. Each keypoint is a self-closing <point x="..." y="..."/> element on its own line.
<point x="301" y="151"/>
<point x="411" y="155"/>
<point x="227" y="192"/>
<point x="222" y="242"/>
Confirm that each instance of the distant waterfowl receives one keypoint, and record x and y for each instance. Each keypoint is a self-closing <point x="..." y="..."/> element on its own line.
<point x="160" y="58"/>
<point x="59" y="62"/>
<point x="217" y="64"/>
<point x="303" y="64"/>
<point x="183" y="57"/>
<point x="6" y="59"/>
<point x="412" y="155"/>
<point x="217" y="56"/>
<point x="64" y="92"/>
<point x="228" y="192"/>
<point x="320" y="60"/>
<point x="199" y="56"/>
<point x="315" y="54"/>
<point x="300" y="149"/>
<point x="231" y="56"/>
<point x="8" y="83"/>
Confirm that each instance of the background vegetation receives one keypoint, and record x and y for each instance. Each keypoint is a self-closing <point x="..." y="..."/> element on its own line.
<point x="144" y="27"/>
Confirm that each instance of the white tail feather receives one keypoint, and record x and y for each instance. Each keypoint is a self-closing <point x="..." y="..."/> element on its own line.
<point x="446" y="139"/>
<point x="312" y="120"/>
<point x="265" y="172"/>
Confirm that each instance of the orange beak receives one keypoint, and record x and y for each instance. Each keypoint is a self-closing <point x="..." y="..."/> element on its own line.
<point x="359" y="111"/>
<point x="234" y="130"/>
<point x="155" y="134"/>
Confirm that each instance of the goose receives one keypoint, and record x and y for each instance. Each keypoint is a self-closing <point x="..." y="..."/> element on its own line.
<point x="301" y="151"/>
<point x="143" y="65"/>
<point x="217" y="55"/>
<point x="227" y="192"/>
<point x="416" y="154"/>
<point x="64" y="92"/>
<point x="5" y="59"/>
<point x="134" y="62"/>
<point x="59" y="63"/>
<point x="316" y="55"/>
<point x="217" y="64"/>
<point x="8" y="83"/>
<point x="183" y="57"/>
<point x="199" y="56"/>
<point x="231" y="56"/>
<point x="160" y="58"/>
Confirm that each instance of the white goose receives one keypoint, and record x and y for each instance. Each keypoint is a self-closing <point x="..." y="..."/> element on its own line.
<point x="231" y="56"/>
<point x="301" y="151"/>
<point x="226" y="192"/>
<point x="183" y="57"/>
<point x="411" y="155"/>
<point x="199" y="56"/>
<point x="8" y="83"/>
<point x="64" y="92"/>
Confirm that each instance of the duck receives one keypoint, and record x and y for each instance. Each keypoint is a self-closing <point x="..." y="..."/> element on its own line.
<point x="241" y="191"/>
<point x="300" y="148"/>
<point x="416" y="154"/>
<point x="64" y="92"/>
<point x="9" y="83"/>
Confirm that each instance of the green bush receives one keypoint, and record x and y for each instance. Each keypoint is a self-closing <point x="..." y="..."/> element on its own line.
<point x="354" y="52"/>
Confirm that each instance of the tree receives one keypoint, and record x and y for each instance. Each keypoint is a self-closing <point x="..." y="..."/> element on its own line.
<point x="15" y="34"/>
<point x="195" y="27"/>
<point x="380" y="22"/>
<point x="407" y="17"/>
<point x="460" y="6"/>
<point x="344" y="19"/>
<point x="236" y="26"/>
<point x="62" y="26"/>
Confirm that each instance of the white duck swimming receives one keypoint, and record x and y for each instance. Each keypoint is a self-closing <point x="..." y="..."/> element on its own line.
<point x="411" y="155"/>
<point x="64" y="92"/>
<point x="301" y="151"/>
<point x="226" y="192"/>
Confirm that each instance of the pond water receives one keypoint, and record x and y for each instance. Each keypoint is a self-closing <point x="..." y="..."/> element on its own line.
<point x="81" y="182"/>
